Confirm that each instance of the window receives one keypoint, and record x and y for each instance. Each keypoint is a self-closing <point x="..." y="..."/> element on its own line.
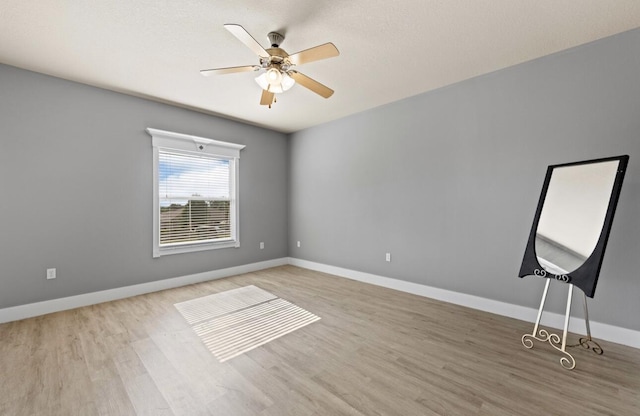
<point x="195" y="187"/>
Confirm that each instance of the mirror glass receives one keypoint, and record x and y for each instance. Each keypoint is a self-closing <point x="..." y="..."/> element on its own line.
<point x="573" y="214"/>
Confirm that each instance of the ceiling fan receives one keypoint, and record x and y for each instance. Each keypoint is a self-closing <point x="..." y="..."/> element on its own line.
<point x="279" y="74"/>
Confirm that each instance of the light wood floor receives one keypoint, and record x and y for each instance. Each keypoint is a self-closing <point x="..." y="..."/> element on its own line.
<point x="374" y="352"/>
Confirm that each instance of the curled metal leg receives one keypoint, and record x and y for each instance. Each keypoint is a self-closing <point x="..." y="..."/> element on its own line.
<point x="555" y="341"/>
<point x="527" y="340"/>
<point x="560" y="344"/>
<point x="590" y="344"/>
<point x="543" y="335"/>
<point x="568" y="363"/>
<point x="587" y="342"/>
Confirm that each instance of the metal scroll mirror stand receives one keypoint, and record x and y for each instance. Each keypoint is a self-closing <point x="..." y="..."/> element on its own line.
<point x="568" y="239"/>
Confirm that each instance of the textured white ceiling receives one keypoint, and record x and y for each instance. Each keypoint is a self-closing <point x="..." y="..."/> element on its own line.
<point x="389" y="49"/>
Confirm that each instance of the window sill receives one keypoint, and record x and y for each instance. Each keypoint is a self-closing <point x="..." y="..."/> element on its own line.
<point x="165" y="251"/>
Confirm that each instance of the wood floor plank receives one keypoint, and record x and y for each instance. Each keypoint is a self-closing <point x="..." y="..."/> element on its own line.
<point x="374" y="352"/>
<point x="113" y="398"/>
<point x="175" y="389"/>
<point x="142" y="391"/>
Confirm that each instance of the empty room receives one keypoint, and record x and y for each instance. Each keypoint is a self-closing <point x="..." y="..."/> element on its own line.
<point x="320" y="208"/>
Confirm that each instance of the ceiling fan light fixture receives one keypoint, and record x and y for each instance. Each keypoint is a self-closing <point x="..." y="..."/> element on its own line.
<point x="274" y="76"/>
<point x="262" y="81"/>
<point x="277" y="89"/>
<point x="287" y="81"/>
<point x="275" y="81"/>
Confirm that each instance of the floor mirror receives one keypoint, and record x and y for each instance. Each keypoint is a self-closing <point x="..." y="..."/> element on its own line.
<point x="568" y="239"/>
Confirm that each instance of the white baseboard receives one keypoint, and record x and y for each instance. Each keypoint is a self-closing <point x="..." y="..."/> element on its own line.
<point x="30" y="310"/>
<point x="599" y="330"/>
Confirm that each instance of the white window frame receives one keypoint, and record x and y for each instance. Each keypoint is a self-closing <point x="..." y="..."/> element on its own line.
<point x="185" y="143"/>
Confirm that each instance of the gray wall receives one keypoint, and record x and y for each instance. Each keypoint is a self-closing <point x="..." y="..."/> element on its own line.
<point x="448" y="181"/>
<point x="76" y="185"/>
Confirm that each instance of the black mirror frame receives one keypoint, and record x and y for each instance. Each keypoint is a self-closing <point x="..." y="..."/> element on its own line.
<point x="586" y="276"/>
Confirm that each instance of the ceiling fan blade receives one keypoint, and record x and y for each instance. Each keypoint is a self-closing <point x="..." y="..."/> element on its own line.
<point x="328" y="50"/>
<point x="267" y="98"/>
<point x="230" y="70"/>
<point x="244" y="37"/>
<point x="311" y="84"/>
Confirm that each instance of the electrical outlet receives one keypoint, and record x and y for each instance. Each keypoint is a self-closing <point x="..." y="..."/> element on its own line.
<point x="261" y="245"/>
<point x="298" y="244"/>
<point x="51" y="274"/>
<point x="388" y="257"/>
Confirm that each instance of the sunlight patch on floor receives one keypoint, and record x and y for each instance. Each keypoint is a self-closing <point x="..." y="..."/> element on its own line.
<point x="236" y="321"/>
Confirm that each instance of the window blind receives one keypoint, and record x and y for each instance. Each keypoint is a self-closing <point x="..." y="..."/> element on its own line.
<point x="194" y="198"/>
